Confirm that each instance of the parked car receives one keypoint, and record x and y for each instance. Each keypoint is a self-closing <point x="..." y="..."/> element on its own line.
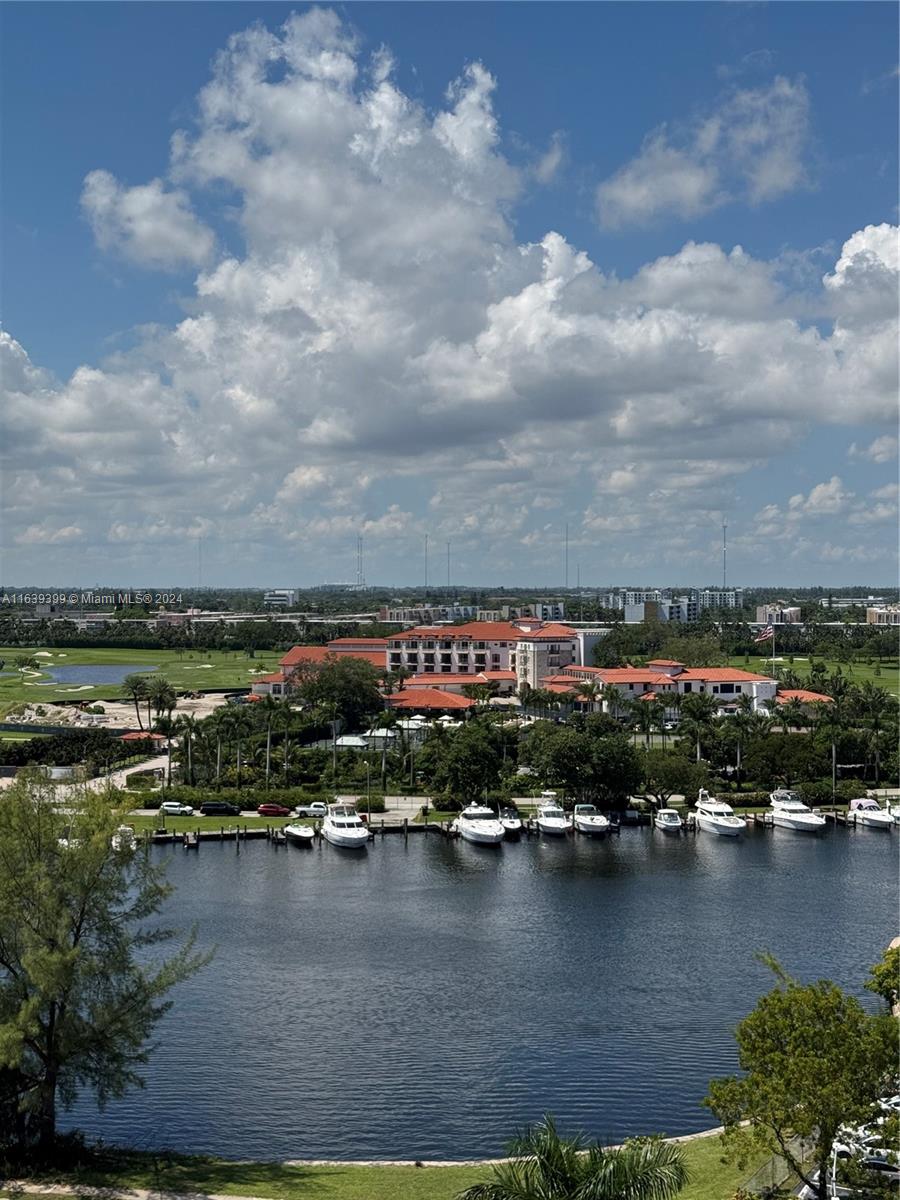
<point x="273" y="810"/>
<point x="316" y="809"/>
<point x="216" y="808"/>
<point x="172" y="808"/>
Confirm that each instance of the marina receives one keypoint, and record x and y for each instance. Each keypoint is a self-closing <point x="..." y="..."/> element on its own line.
<point x="437" y="953"/>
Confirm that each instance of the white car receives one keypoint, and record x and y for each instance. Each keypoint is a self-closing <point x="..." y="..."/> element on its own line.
<point x="172" y="808"/>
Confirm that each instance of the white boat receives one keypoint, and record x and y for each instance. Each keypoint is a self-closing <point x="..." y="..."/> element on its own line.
<point x="124" y="838"/>
<point x="894" y="810"/>
<point x="588" y="819"/>
<point x="479" y="824"/>
<point x="343" y="826"/>
<point x="301" y="835"/>
<point x="550" y="817"/>
<point x="511" y="822"/>
<point x="715" y="816"/>
<point x="668" y="820"/>
<point x="868" y="813"/>
<point x="789" y="812"/>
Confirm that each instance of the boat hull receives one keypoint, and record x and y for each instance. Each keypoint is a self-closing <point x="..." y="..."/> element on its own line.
<point x="303" y="836"/>
<point x="882" y="820"/>
<point x="592" y="827"/>
<point x="798" y="825"/>
<point x="481" y="837"/>
<point x="553" y="830"/>
<point x="346" y="841"/>
<point x="710" y="825"/>
<point x="512" y="829"/>
<point x="662" y="825"/>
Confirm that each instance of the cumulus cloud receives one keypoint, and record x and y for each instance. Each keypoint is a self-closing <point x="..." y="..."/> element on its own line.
<point x="751" y="147"/>
<point x="379" y="354"/>
<point x="883" y="449"/>
<point x="147" y="224"/>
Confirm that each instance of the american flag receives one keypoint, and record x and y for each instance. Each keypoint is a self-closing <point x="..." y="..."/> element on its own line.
<point x="765" y="634"/>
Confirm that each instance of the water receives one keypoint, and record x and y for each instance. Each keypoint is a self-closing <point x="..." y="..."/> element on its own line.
<point x="111" y="673"/>
<point x="426" y="1000"/>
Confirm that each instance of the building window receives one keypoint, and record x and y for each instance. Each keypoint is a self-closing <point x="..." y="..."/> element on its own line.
<point x="688" y="687"/>
<point x="428" y="658"/>
<point x="445" y="670"/>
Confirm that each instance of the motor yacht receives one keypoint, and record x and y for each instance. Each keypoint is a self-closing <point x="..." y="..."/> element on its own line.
<point x="894" y="810"/>
<point x="479" y="824"/>
<point x="789" y="812"/>
<point x="551" y="819"/>
<point x="343" y="826"/>
<point x="715" y="816"/>
<point x="124" y="838"/>
<point x="300" y="835"/>
<point x="668" y="820"/>
<point x="511" y="822"/>
<point x="868" y="813"/>
<point x="588" y="819"/>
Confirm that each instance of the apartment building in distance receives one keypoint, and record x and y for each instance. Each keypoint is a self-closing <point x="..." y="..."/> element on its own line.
<point x="280" y="598"/>
<point x="888" y="614"/>
<point x="778" y="614"/>
<point x="445" y="614"/>
<point x="667" y="605"/>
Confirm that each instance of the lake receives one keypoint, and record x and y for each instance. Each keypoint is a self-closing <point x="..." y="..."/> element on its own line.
<point x="110" y="673"/>
<point x="426" y="1000"/>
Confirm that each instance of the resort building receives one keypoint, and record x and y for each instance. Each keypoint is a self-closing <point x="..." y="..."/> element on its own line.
<point x="777" y="614"/>
<point x="888" y="615"/>
<point x="528" y="647"/>
<point x="280" y="683"/>
<point x="661" y="677"/>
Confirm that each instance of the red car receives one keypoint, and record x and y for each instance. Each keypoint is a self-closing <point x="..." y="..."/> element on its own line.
<point x="273" y="810"/>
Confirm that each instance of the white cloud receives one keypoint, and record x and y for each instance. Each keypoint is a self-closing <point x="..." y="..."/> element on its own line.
<point x="882" y="450"/>
<point x="147" y="224"/>
<point x="751" y="147"/>
<point x="381" y="355"/>
<point x="548" y="165"/>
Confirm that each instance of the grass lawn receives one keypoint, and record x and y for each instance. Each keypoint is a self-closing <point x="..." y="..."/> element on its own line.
<point x="710" y="1179"/>
<point x="856" y="672"/>
<point x="190" y="670"/>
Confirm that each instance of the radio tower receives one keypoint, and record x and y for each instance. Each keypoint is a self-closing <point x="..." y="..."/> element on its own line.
<point x="360" y="578"/>
<point x="724" y="554"/>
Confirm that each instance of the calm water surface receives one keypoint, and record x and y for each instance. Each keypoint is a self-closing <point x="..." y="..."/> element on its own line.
<point x="424" y="1001"/>
<point x="110" y="673"/>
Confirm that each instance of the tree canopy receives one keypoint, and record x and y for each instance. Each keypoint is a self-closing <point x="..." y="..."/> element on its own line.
<point x="813" y="1060"/>
<point x="82" y="982"/>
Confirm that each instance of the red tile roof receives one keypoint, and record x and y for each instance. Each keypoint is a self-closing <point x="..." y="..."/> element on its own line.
<point x="664" y="662"/>
<point x="276" y="678"/>
<point x="722" y="675"/>
<point x="299" y="654"/>
<point x="428" y="698"/>
<point x="498" y="675"/>
<point x="435" y="679"/>
<point x="801" y="694"/>
<point x="317" y="654"/>
<point x="137" y="736"/>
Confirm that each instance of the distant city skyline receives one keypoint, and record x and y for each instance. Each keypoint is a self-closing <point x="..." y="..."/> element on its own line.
<point x="563" y="285"/>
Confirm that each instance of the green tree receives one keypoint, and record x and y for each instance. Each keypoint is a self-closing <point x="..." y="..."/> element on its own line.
<point x="884" y="976"/>
<point x="81" y="986"/>
<point x="134" y="687"/>
<point x="343" y="685"/>
<point x="813" y="1060"/>
<point x="463" y="764"/>
<point x="545" y="1166"/>
<point x="160" y="695"/>
<point x="667" y="774"/>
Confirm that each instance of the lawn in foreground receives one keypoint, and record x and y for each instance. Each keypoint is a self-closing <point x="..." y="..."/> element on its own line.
<point x="189" y="670"/>
<point x="710" y="1179"/>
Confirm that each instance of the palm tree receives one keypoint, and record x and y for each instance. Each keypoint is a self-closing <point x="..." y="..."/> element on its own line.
<point x="589" y="691"/>
<point x="389" y="719"/>
<point x="612" y="699"/>
<point x="134" y="687"/>
<point x="793" y="714"/>
<point x="160" y="694"/>
<point x="241" y="725"/>
<point x="545" y="1166"/>
<point x="222" y="724"/>
<point x="642" y="711"/>
<point x="166" y="726"/>
<point x="285" y="719"/>
<point x="271" y="707"/>
<point x="186" y="725"/>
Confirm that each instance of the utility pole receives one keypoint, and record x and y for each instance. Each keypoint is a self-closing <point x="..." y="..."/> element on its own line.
<point x="199" y="563"/>
<point x="448" y="569"/>
<point x="567" y="556"/>
<point x="724" y="554"/>
<point x="426" y="566"/>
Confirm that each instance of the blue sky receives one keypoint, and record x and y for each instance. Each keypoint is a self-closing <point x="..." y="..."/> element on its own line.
<point x="334" y="297"/>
